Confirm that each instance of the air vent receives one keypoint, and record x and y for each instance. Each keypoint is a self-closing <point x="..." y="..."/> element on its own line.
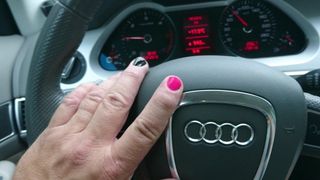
<point x="20" y="114"/>
<point x="6" y="124"/>
<point x="23" y="116"/>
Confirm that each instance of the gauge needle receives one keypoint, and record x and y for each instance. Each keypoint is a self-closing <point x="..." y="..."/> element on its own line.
<point x="242" y="21"/>
<point x="133" y="38"/>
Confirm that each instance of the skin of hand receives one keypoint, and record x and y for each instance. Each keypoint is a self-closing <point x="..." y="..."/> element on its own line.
<point x="80" y="141"/>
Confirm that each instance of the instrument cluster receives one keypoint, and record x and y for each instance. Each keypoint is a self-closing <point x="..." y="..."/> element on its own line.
<point x="245" y="28"/>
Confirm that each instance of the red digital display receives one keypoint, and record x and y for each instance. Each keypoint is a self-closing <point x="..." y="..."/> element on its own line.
<point x="197" y="31"/>
<point x="251" y="46"/>
<point x="151" y="55"/>
<point x="195" y="18"/>
<point x="197" y="35"/>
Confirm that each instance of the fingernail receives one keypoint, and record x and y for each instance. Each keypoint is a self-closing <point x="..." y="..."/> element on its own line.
<point x="174" y="83"/>
<point x="139" y="61"/>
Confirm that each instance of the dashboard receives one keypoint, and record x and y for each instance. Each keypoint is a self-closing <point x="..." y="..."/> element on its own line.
<point x="293" y="45"/>
<point x="245" y="28"/>
<point x="272" y="32"/>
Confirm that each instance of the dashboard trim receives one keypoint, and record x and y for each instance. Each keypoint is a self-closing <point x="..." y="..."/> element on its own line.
<point x="17" y="112"/>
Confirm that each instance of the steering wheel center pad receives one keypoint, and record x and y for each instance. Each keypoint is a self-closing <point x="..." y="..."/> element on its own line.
<point x="223" y="90"/>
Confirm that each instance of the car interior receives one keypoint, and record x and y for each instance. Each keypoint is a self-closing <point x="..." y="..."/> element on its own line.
<point x="251" y="70"/>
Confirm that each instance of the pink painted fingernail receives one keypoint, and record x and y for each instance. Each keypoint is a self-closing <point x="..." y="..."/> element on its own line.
<point x="174" y="83"/>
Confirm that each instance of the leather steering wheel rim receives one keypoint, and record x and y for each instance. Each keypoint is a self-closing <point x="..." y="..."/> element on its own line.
<point x="60" y="37"/>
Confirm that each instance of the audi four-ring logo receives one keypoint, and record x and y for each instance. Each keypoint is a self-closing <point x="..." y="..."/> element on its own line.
<point x="203" y="128"/>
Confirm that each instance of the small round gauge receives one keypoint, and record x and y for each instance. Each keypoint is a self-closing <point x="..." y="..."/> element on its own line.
<point x="248" y="28"/>
<point x="290" y="42"/>
<point x="147" y="33"/>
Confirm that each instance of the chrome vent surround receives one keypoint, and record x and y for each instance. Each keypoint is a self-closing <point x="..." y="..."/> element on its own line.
<point x="19" y="112"/>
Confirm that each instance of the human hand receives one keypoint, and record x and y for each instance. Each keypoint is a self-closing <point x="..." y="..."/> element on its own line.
<point x="80" y="141"/>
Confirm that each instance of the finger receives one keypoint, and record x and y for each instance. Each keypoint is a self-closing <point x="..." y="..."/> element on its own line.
<point x="69" y="105"/>
<point x="113" y="110"/>
<point x="107" y="84"/>
<point x="89" y="104"/>
<point x="141" y="135"/>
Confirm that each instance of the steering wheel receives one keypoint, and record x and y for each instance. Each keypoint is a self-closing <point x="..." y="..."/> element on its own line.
<point x="237" y="119"/>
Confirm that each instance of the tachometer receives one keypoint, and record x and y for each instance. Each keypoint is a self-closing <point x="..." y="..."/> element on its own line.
<point x="248" y="27"/>
<point x="147" y="33"/>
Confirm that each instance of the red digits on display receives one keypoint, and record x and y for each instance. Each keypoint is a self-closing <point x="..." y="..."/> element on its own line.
<point x="197" y="31"/>
<point x="151" y="55"/>
<point x="251" y="46"/>
<point x="196" y="34"/>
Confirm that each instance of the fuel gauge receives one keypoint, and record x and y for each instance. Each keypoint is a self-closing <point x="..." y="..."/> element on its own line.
<point x="287" y="40"/>
<point x="288" y="43"/>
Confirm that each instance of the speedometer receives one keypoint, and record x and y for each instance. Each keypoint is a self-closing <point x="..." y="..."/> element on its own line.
<point x="248" y="27"/>
<point x="147" y="33"/>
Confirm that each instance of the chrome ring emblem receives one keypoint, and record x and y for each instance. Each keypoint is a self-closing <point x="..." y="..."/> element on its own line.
<point x="218" y="131"/>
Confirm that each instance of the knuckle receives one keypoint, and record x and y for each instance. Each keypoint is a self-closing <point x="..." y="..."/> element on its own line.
<point x="95" y="96"/>
<point x="88" y="106"/>
<point x="148" y="130"/>
<point x="71" y="101"/>
<point x="91" y="101"/>
<point x="116" y="101"/>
